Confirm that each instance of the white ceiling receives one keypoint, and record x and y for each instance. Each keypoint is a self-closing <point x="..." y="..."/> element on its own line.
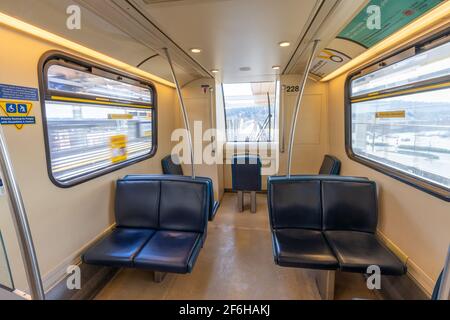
<point x="95" y="33"/>
<point x="233" y="33"/>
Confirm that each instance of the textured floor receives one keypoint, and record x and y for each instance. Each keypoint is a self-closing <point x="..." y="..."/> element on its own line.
<point x="235" y="263"/>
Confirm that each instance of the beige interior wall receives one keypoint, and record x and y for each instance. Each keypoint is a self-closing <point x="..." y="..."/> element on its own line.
<point x="311" y="135"/>
<point x="62" y="221"/>
<point x="414" y="221"/>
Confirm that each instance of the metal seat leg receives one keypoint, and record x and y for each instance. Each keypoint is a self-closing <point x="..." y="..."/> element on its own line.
<point x="325" y="281"/>
<point x="253" y="201"/>
<point x="240" y="201"/>
<point x="159" y="277"/>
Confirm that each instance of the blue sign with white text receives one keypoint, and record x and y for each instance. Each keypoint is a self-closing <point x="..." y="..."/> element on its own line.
<point x="10" y="92"/>
<point x="17" y="120"/>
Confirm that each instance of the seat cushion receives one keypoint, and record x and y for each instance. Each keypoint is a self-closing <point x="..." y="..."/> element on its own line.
<point x="302" y="248"/>
<point x="118" y="248"/>
<point x="356" y="251"/>
<point x="170" y="251"/>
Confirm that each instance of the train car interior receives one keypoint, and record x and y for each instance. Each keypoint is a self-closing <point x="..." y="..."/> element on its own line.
<point x="225" y="150"/>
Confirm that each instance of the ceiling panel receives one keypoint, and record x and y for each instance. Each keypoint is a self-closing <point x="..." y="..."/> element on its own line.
<point x="233" y="33"/>
<point x="95" y="33"/>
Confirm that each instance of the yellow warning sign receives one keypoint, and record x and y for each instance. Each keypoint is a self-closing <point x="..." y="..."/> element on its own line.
<point x="16" y="113"/>
<point x="390" y="114"/>
<point x="119" y="148"/>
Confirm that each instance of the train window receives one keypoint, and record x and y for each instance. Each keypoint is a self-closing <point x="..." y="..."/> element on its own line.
<point x="250" y="111"/>
<point x="95" y="120"/>
<point x="398" y="118"/>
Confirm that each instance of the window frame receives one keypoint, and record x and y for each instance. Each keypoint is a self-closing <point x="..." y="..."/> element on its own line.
<point x="52" y="58"/>
<point x="399" y="55"/>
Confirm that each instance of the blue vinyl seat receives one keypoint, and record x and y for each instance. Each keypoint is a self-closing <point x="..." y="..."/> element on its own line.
<point x="214" y="207"/>
<point x="330" y="166"/>
<point x="171" y="165"/>
<point x="327" y="222"/>
<point x="246" y="177"/>
<point x="161" y="225"/>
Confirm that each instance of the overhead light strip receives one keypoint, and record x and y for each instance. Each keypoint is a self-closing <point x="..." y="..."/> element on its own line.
<point x="60" y="41"/>
<point x="422" y="24"/>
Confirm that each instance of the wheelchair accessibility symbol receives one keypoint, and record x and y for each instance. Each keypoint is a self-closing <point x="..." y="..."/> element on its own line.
<point x="11" y="108"/>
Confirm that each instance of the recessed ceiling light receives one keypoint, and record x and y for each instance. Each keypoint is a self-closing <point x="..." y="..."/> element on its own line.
<point x="215" y="70"/>
<point x="196" y="50"/>
<point x="276" y="67"/>
<point x="284" y="44"/>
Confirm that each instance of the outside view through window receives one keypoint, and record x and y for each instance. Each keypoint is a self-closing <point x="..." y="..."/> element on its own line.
<point x="408" y="132"/>
<point x="250" y="111"/>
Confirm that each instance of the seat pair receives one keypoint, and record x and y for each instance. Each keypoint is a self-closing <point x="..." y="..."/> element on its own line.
<point x="327" y="223"/>
<point x="161" y="225"/>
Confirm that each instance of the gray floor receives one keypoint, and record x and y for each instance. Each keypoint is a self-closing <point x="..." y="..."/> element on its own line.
<point x="236" y="263"/>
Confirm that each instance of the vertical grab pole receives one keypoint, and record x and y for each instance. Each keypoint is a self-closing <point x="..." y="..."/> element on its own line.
<point x="211" y="119"/>
<point x="297" y="107"/>
<point x="283" y="119"/>
<point x="183" y="109"/>
<point x="21" y="222"/>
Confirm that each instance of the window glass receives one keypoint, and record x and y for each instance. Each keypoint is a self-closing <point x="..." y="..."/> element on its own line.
<point x="406" y="132"/>
<point x="89" y="136"/>
<point x="250" y="110"/>
<point x="425" y="66"/>
<point x="410" y="133"/>
<point x="73" y="81"/>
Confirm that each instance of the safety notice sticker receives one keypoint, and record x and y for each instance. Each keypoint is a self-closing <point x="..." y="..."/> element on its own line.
<point x="16" y="113"/>
<point x="16" y="103"/>
<point x="18" y="93"/>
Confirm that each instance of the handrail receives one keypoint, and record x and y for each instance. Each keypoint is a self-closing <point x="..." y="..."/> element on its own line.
<point x="21" y="223"/>
<point x="283" y="119"/>
<point x="211" y="119"/>
<point x="183" y="109"/>
<point x="299" y="101"/>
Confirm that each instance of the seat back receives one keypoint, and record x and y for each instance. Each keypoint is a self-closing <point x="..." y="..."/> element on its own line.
<point x="246" y="173"/>
<point x="295" y="203"/>
<point x="137" y="204"/>
<point x="184" y="203"/>
<point x="207" y="181"/>
<point x="349" y="205"/>
<point x="171" y="165"/>
<point x="323" y="203"/>
<point x="330" y="166"/>
<point x="182" y="206"/>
